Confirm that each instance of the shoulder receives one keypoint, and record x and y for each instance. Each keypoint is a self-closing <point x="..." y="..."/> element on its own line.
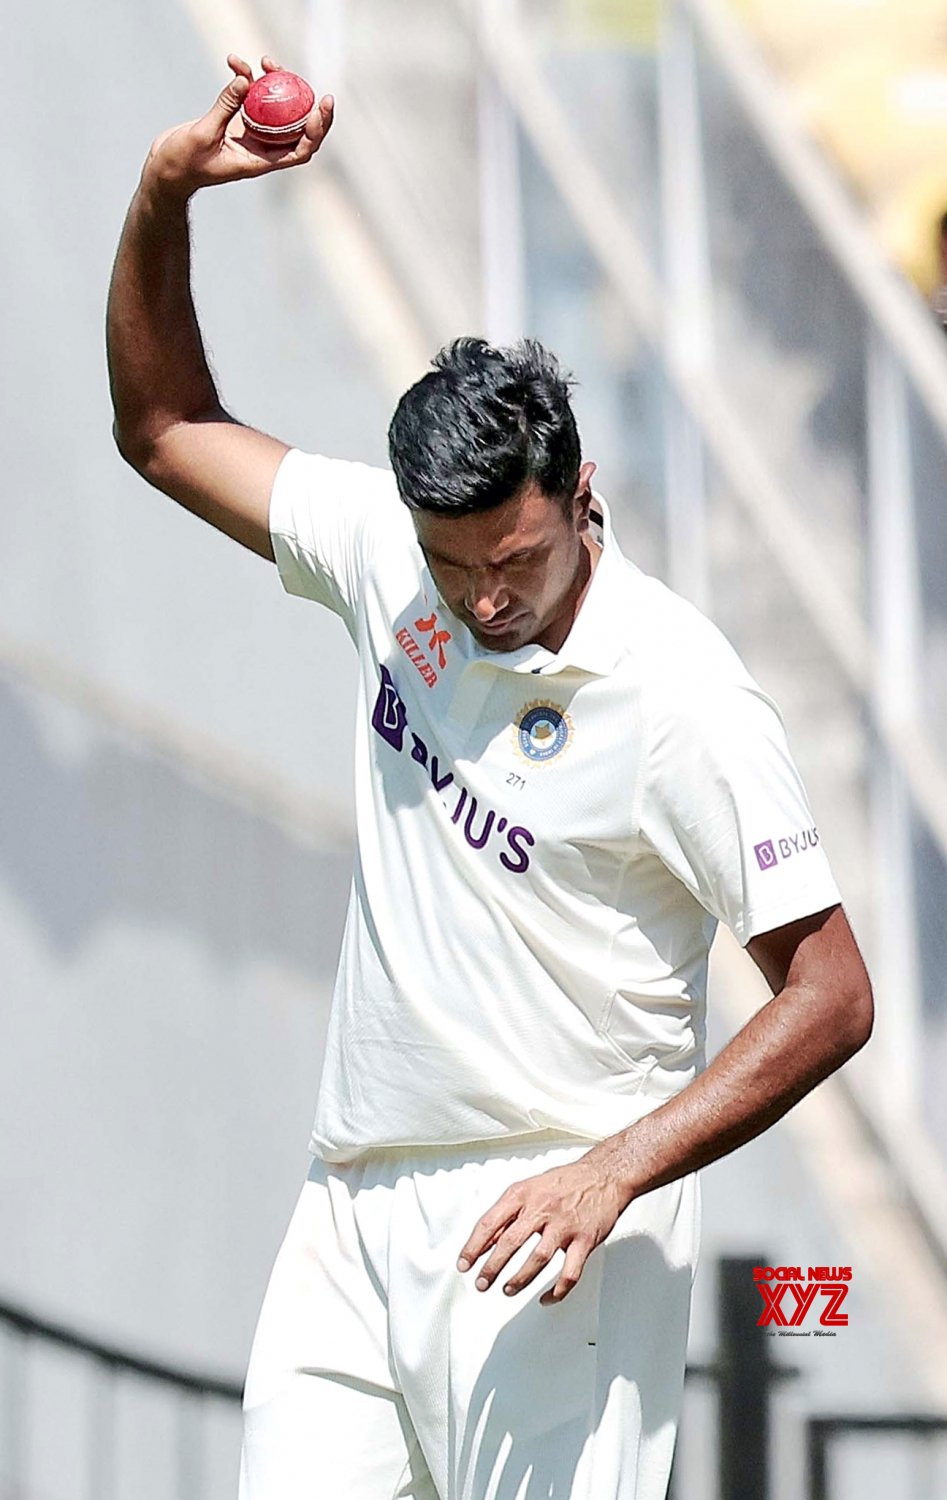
<point x="695" y="685"/>
<point x="334" y="524"/>
<point x="337" y="505"/>
<point x="671" y="643"/>
<point x="320" y="479"/>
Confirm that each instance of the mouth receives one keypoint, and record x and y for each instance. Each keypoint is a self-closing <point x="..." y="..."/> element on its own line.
<point x="499" y="627"/>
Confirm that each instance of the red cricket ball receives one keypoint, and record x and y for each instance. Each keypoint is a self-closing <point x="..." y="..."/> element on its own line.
<point x="277" y="107"/>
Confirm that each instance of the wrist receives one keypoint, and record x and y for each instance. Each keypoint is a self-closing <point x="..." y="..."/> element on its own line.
<point x="613" y="1159"/>
<point x="159" y="190"/>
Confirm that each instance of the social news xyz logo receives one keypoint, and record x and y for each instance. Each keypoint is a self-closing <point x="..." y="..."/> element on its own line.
<point x="390" y="720"/>
<point x="788" y="1298"/>
<point x="770" y="853"/>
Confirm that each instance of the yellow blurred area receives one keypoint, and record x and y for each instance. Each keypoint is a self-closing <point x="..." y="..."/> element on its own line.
<point x="631" y="23"/>
<point x="870" y="80"/>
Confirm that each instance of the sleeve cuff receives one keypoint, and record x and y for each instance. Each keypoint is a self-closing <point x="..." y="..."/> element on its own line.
<point x="803" y="903"/>
<point x="283" y="524"/>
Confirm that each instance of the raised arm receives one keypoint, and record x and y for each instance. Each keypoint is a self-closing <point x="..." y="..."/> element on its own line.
<point x="169" y="422"/>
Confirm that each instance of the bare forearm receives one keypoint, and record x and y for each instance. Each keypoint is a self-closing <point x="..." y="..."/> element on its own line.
<point x="158" y="370"/>
<point x="793" y="1043"/>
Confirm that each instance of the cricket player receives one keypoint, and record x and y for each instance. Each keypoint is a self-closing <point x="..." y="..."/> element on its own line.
<point x="565" y="778"/>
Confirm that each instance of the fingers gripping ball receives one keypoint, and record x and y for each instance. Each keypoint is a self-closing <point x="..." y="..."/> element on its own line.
<point x="277" y="107"/>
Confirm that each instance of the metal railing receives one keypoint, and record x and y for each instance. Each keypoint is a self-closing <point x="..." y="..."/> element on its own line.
<point x="744" y="1377"/>
<point x="104" y="1366"/>
<point x="823" y="1433"/>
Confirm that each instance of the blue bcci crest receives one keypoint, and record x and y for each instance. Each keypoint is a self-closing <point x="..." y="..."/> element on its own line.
<point x="542" y="731"/>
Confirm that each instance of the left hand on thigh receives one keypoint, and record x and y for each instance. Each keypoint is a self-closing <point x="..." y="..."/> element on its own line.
<point x="572" y="1208"/>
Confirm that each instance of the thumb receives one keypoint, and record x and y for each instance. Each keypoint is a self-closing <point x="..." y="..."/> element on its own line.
<point x="227" y="103"/>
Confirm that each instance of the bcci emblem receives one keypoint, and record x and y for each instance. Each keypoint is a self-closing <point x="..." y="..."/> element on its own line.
<point x="542" y="731"/>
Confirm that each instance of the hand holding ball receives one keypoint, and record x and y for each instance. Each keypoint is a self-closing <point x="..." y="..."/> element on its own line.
<point x="277" y="107"/>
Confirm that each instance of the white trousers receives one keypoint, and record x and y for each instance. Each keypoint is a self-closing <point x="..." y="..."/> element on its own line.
<point x="379" y="1371"/>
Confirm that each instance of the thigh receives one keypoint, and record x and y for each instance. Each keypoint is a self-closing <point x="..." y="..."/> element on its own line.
<point x="322" y="1310"/>
<point x="324" y="1437"/>
<point x="647" y="1275"/>
<point x="322" y="1419"/>
<point x="579" y="1401"/>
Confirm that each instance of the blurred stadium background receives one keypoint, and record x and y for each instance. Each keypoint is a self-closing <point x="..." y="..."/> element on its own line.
<point x="725" y="220"/>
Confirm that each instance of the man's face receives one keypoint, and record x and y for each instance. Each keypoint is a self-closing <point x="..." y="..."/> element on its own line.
<point x="512" y="574"/>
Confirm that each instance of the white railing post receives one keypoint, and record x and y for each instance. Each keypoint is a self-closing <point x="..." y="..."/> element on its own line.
<point x="895" y="678"/>
<point x="687" y="303"/>
<point x="502" y="273"/>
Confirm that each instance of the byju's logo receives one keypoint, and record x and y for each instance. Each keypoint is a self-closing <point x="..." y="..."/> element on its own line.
<point x="770" y="853"/>
<point x="511" y="844"/>
<point x="765" y="855"/>
<point x="389" y="715"/>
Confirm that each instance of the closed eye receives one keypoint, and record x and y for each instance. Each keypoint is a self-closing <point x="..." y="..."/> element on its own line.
<point x="514" y="559"/>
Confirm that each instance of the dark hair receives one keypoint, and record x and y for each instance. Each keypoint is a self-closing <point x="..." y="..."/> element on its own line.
<point x="482" y="423"/>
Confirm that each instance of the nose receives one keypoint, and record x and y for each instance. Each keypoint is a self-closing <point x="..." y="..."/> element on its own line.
<point x="485" y="598"/>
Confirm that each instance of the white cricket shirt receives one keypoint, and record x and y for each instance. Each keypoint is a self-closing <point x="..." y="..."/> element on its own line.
<point x="545" y="842"/>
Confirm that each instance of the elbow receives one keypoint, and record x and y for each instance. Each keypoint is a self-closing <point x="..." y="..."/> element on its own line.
<point x="869" y="1012"/>
<point x="132" y="449"/>
<point x="860" y="1016"/>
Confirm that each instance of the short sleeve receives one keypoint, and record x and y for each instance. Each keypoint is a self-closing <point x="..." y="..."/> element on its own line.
<point x="325" y="516"/>
<point x="724" y="808"/>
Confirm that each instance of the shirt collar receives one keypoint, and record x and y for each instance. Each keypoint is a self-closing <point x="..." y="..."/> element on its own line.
<point x="592" y="644"/>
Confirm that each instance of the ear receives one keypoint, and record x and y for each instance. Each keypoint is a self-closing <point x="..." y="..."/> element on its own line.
<point x="582" y="498"/>
<point x="585" y="477"/>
